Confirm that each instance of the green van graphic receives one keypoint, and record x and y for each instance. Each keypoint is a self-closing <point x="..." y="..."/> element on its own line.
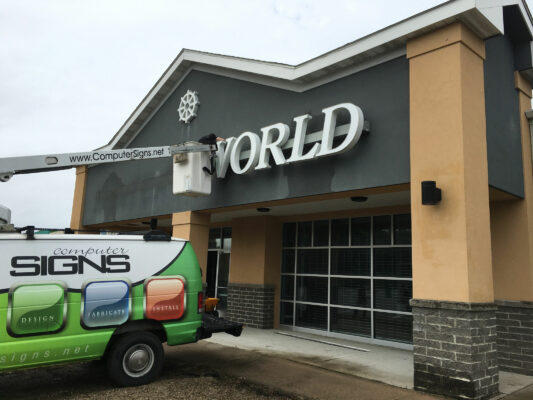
<point x="36" y="309"/>
<point x="81" y="297"/>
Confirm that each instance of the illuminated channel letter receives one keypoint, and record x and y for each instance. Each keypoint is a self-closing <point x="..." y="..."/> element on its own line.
<point x="224" y="155"/>
<point x="299" y="141"/>
<point x="253" y="158"/>
<point x="233" y="151"/>
<point x="330" y="122"/>
<point x="273" y="147"/>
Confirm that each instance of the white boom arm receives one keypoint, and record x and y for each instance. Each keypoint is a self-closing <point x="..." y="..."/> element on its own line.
<point x="28" y="164"/>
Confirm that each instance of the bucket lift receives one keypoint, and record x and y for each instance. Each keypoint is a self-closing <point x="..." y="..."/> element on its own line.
<point x="193" y="166"/>
<point x="193" y="163"/>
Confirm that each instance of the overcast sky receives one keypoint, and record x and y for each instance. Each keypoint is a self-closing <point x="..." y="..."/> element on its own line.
<point x="73" y="71"/>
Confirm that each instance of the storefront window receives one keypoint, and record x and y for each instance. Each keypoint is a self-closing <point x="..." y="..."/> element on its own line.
<point x="361" y="231"/>
<point x="382" y="230"/>
<point x="350" y="292"/>
<point x="393" y="262"/>
<point x="340" y="229"/>
<point x="226" y="239"/>
<point x="305" y="233"/>
<point x="350" y="321"/>
<point x="402" y="229"/>
<point x="311" y="316"/>
<point x="321" y="233"/>
<point x="289" y="235"/>
<point x="215" y="239"/>
<point x="349" y="276"/>
<point x="312" y="289"/>
<point x="350" y="261"/>
<point x="287" y="261"/>
<point x="287" y="287"/>
<point x="392" y="295"/>
<point x="396" y="327"/>
<point x="312" y="261"/>
<point x="286" y="313"/>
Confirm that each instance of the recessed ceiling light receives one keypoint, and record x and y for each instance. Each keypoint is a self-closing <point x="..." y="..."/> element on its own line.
<point x="359" y="199"/>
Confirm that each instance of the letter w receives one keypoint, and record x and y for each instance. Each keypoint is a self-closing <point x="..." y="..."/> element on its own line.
<point x="83" y="158"/>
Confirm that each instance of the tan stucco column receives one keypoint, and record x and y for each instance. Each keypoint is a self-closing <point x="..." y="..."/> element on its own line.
<point x="512" y="258"/>
<point x="451" y="241"/>
<point x="454" y="334"/>
<point x="193" y="226"/>
<point x="512" y="222"/>
<point x="76" y="219"/>
<point x="255" y="269"/>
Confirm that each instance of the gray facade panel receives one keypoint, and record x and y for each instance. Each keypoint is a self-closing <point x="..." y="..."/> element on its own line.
<point x="504" y="147"/>
<point x="228" y="108"/>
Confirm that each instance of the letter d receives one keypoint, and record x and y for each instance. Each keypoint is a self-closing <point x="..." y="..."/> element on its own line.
<point x="355" y="129"/>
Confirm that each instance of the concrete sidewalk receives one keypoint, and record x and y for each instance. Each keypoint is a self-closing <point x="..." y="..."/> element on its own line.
<point x="286" y="377"/>
<point x="378" y="363"/>
<point x="349" y="358"/>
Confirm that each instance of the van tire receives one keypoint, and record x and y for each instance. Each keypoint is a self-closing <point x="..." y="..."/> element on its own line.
<point x="135" y="359"/>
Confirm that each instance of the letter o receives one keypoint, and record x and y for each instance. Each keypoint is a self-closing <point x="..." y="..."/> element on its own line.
<point x="253" y="159"/>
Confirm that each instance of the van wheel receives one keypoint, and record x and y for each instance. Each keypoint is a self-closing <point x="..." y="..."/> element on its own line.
<point x="135" y="359"/>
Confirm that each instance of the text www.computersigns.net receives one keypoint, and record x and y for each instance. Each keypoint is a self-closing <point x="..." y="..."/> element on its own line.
<point x="44" y="355"/>
<point x="117" y="155"/>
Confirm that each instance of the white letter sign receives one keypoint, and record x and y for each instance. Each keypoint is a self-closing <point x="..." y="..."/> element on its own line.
<point x="330" y="122"/>
<point x="299" y="141"/>
<point x="223" y="156"/>
<point x="235" y="160"/>
<point x="274" y="147"/>
<point x="231" y="151"/>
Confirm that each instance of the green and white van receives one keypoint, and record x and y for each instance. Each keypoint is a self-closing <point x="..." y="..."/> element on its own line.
<point x="80" y="297"/>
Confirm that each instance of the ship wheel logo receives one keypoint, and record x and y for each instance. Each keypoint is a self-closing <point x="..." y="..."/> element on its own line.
<point x="188" y="107"/>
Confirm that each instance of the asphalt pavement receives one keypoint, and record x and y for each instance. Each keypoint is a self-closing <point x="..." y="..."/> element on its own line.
<point x="212" y="371"/>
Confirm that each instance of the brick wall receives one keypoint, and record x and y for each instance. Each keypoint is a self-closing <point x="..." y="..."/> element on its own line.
<point x="454" y="349"/>
<point x="252" y="305"/>
<point x="515" y="336"/>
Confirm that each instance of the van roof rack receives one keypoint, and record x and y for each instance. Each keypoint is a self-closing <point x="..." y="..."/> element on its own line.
<point x="154" y="235"/>
<point x="157" y="236"/>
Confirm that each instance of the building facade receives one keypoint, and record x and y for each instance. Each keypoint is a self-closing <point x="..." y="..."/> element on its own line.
<point x="316" y="219"/>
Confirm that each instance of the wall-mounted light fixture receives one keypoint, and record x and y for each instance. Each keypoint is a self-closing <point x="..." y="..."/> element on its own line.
<point x="431" y="194"/>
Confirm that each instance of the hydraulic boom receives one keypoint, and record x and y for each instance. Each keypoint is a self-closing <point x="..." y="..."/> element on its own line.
<point x="50" y="162"/>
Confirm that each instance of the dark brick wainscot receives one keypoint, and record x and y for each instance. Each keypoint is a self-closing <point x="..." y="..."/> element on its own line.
<point x="454" y="348"/>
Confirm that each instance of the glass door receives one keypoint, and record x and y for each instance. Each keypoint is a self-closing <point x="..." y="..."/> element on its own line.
<point x="222" y="279"/>
<point x="218" y="261"/>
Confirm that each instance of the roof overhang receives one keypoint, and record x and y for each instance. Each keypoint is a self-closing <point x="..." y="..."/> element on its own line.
<point x="484" y="17"/>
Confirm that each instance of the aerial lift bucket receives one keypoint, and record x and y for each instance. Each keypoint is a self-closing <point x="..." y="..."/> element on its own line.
<point x="192" y="173"/>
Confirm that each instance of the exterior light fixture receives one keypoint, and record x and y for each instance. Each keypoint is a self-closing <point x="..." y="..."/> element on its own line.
<point x="263" y="209"/>
<point x="152" y="223"/>
<point x="431" y="194"/>
<point x="359" y="199"/>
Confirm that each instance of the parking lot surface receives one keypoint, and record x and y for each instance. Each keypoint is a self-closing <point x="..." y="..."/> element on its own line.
<point x="210" y="371"/>
<point x="179" y="380"/>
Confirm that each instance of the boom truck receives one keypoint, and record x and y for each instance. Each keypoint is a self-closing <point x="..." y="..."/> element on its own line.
<point x="72" y="297"/>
